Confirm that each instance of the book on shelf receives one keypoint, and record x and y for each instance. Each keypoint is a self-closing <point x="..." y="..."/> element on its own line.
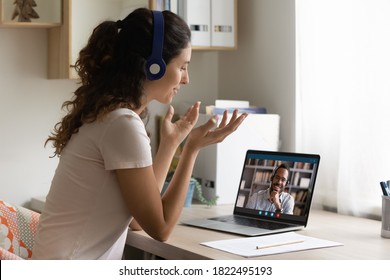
<point x="242" y="106"/>
<point x="304" y="165"/>
<point x="212" y="110"/>
<point x="241" y="200"/>
<point x="262" y="162"/>
<point x="298" y="211"/>
<point x="231" y="103"/>
<point x="304" y="182"/>
<point x="299" y="196"/>
<point x="295" y="179"/>
<point x="262" y="176"/>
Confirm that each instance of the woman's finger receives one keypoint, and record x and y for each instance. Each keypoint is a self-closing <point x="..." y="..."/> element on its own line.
<point x="224" y="119"/>
<point x="169" y="114"/>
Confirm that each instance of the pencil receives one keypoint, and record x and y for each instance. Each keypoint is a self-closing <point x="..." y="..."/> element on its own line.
<point x="279" y="244"/>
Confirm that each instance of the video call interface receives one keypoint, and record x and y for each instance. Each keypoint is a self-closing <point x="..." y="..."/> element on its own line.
<point x="258" y="176"/>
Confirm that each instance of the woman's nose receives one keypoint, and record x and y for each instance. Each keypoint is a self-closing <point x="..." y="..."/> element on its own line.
<point x="185" y="79"/>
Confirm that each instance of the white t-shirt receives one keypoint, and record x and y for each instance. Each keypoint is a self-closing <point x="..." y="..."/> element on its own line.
<point x="85" y="216"/>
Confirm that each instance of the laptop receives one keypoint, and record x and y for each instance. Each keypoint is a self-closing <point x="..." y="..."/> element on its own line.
<point x="250" y="216"/>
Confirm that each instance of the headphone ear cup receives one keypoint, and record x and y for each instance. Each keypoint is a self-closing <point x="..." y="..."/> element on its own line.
<point x="155" y="68"/>
<point x="155" y="65"/>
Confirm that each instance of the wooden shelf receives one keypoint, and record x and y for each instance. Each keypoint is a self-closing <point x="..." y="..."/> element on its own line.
<point x="29" y="25"/>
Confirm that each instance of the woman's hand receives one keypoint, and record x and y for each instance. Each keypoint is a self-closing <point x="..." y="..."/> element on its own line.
<point x="140" y="186"/>
<point x="208" y="134"/>
<point x="175" y="132"/>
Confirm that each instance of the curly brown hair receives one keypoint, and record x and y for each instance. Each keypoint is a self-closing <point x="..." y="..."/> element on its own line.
<point x="112" y="69"/>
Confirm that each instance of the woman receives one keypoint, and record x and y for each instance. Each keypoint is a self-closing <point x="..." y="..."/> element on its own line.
<point x="106" y="176"/>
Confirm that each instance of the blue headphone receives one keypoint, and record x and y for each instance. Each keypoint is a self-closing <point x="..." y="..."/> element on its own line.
<point x="155" y="64"/>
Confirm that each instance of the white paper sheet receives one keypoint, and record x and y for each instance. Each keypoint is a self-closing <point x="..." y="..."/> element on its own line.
<point x="247" y="246"/>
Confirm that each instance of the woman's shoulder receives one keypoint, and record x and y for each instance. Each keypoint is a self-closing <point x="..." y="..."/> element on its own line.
<point x="120" y="114"/>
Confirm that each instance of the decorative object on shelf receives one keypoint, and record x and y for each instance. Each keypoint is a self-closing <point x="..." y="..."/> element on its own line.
<point x="24" y="10"/>
<point x="194" y="187"/>
<point x="200" y="197"/>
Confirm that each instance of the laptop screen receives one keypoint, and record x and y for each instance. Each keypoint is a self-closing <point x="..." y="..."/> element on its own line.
<point x="289" y="177"/>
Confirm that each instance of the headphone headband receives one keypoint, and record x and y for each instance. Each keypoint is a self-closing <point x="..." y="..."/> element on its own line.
<point x="155" y="65"/>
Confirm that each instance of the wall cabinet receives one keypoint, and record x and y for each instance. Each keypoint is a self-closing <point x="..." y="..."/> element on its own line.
<point x="213" y="23"/>
<point x="42" y="14"/>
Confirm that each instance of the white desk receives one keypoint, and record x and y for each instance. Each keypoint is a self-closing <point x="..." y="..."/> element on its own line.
<point x="361" y="238"/>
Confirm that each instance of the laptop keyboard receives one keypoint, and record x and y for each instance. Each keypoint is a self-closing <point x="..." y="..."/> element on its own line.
<point x="251" y="222"/>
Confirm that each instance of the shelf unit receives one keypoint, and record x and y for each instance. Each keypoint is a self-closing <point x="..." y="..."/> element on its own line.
<point x="257" y="176"/>
<point x="49" y="11"/>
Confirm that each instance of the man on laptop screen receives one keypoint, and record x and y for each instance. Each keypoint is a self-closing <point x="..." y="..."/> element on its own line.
<point x="277" y="184"/>
<point x="274" y="198"/>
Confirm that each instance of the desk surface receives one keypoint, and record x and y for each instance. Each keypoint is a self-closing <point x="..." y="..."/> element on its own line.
<point x="360" y="238"/>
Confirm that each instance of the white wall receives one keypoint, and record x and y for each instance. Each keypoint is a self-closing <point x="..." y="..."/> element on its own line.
<point x="29" y="108"/>
<point x="262" y="70"/>
<point x="203" y="86"/>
